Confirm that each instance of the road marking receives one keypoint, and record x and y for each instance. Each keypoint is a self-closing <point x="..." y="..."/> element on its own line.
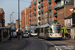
<point x="56" y="48"/>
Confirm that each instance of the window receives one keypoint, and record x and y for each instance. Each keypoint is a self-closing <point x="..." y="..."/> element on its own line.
<point x="47" y="29"/>
<point x="50" y="30"/>
<point x="41" y="30"/>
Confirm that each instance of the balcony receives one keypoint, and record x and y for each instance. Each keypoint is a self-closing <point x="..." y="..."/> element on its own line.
<point x="34" y="8"/>
<point x="49" y="8"/>
<point x="57" y="1"/>
<point x="34" y="13"/>
<point x="30" y="20"/>
<point x="39" y="18"/>
<point x="41" y="4"/>
<point x="41" y="11"/>
<point x="30" y="15"/>
<point x="34" y="3"/>
<point x="55" y="14"/>
<point x="58" y="5"/>
<point x="39" y="23"/>
<point x="49" y="1"/>
<point x="39" y="1"/>
<point x="30" y="11"/>
<point x="55" y="6"/>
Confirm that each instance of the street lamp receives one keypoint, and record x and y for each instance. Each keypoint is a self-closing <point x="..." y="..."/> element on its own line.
<point x="18" y="15"/>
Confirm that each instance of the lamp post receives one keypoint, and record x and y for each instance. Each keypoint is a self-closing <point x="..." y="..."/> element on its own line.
<point x="10" y="27"/>
<point x="18" y="21"/>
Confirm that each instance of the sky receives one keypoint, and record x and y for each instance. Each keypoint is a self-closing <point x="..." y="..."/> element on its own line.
<point x="10" y="6"/>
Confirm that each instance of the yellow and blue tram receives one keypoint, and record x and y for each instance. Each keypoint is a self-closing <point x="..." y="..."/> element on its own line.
<point x="50" y="31"/>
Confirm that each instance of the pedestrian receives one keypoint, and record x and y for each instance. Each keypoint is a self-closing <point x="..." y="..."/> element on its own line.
<point x="68" y="35"/>
<point x="62" y="34"/>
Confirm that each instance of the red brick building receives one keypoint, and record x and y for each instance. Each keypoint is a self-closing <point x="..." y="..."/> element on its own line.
<point x="2" y="18"/>
<point x="33" y="12"/>
<point x="23" y="20"/>
<point x="63" y="11"/>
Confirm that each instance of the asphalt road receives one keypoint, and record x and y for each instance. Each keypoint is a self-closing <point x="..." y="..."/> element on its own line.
<point x="34" y="43"/>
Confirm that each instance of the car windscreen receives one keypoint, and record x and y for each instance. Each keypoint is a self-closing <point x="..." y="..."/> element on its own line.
<point x="25" y="33"/>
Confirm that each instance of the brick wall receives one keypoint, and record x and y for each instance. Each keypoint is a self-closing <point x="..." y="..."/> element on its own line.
<point x="67" y="10"/>
<point x="22" y="18"/>
<point x="33" y="17"/>
<point x="60" y="16"/>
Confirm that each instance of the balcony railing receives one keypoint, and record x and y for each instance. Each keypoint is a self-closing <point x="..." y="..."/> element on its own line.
<point x="39" y="23"/>
<point x="39" y="0"/>
<point x="49" y="8"/>
<point x="29" y="10"/>
<point x="41" y="4"/>
<point x="34" y="3"/>
<point x="58" y="5"/>
<point x="55" y="6"/>
<point x="34" y="8"/>
<point x="55" y="14"/>
<point x="39" y="18"/>
<point x="57" y="1"/>
<point x="34" y="13"/>
<point x="49" y="1"/>
<point x="30" y="20"/>
<point x="41" y="11"/>
<point x="30" y="15"/>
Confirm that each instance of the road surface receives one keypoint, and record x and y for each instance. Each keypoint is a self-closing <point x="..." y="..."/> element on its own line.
<point x="34" y="43"/>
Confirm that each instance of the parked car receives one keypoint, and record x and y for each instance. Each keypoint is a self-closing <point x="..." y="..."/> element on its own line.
<point x="25" y="35"/>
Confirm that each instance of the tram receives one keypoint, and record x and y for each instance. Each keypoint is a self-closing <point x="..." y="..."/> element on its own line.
<point x="33" y="31"/>
<point x="50" y="31"/>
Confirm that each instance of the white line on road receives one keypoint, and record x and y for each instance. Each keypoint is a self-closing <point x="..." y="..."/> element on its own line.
<point x="55" y="46"/>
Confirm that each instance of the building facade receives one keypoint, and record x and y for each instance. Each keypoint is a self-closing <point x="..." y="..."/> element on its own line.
<point x="17" y="24"/>
<point x="2" y="18"/>
<point x="25" y="18"/>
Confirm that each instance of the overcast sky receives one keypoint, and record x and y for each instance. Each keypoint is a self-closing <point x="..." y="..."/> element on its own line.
<point x="10" y="6"/>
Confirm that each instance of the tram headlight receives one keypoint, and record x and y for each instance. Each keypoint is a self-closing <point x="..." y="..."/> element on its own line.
<point x="60" y="35"/>
<point x="50" y="34"/>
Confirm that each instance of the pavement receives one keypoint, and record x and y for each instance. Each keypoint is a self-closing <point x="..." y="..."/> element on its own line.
<point x="69" y="40"/>
<point x="12" y="45"/>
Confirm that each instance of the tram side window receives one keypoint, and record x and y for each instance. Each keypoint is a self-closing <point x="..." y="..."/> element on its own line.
<point x="50" y="30"/>
<point x="41" y="30"/>
<point x="47" y="29"/>
<point x="59" y="30"/>
<point x="35" y="31"/>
